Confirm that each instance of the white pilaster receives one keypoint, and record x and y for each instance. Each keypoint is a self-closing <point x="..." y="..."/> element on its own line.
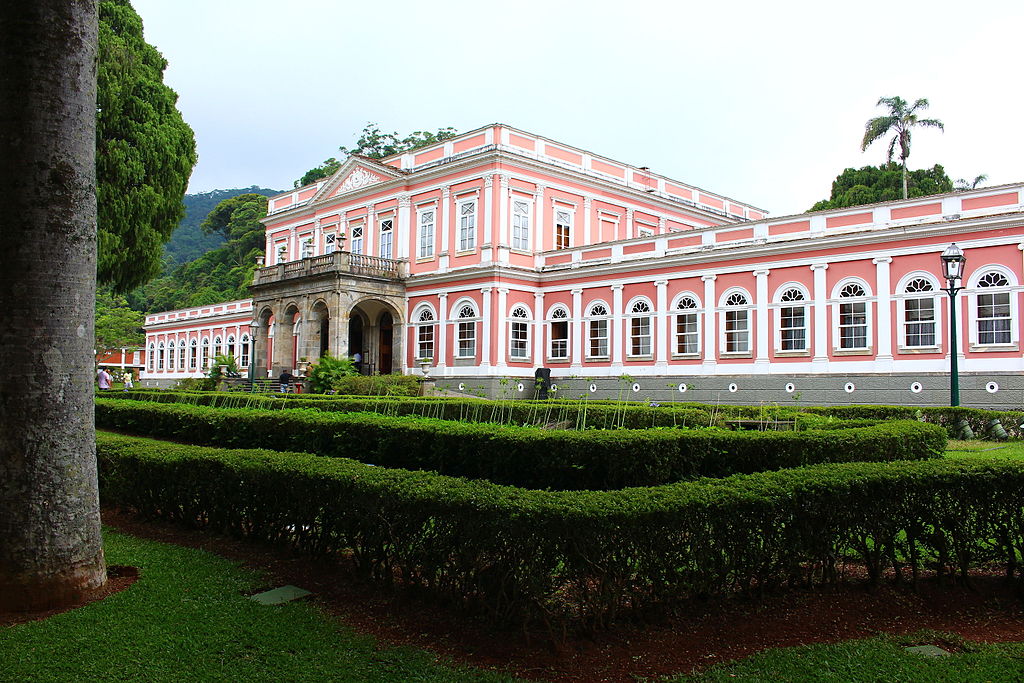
<point x="487" y="250"/>
<point x="629" y="223"/>
<point x="404" y="231"/>
<point x="710" y="328"/>
<point x="617" y="323"/>
<point x="539" y="358"/>
<point x="445" y="227"/>
<point x="588" y="204"/>
<point x="442" y="329"/>
<point x="488" y="323"/>
<point x="661" y="324"/>
<point x="502" y="363"/>
<point x="370" y="240"/>
<point x="761" y="303"/>
<point x="820" y="315"/>
<point x="883" y="314"/>
<point x="576" y="329"/>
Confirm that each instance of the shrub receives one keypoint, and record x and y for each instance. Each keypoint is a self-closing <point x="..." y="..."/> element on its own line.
<point x="520" y="456"/>
<point x="585" y="557"/>
<point x="327" y="372"/>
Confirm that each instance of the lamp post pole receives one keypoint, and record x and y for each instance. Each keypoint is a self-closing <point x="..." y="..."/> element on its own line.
<point x="953" y="262"/>
<point x="254" y="327"/>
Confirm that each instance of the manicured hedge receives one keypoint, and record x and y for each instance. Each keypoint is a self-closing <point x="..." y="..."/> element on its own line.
<point x="520" y="456"/>
<point x="575" y="415"/>
<point x="584" y="557"/>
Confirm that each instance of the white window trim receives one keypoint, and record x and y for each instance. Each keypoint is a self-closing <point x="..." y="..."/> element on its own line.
<point x="900" y="299"/>
<point x="459" y="203"/>
<point x="675" y="312"/>
<point x="551" y="320"/>
<point x="776" y="308"/>
<point x="869" y="313"/>
<point x="420" y="211"/>
<point x="527" y="322"/>
<point x="588" y="318"/>
<point x="456" y="310"/>
<point x="722" y="309"/>
<point x="629" y="317"/>
<point x="972" y="292"/>
<point x="572" y="226"/>
<point x="529" y="222"/>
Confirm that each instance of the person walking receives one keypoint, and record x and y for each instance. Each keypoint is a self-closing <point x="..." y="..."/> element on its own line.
<point x="129" y="383"/>
<point x="286" y="379"/>
<point x="103" y="378"/>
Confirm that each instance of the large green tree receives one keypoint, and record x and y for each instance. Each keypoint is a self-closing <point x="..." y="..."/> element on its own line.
<point x="872" y="184"/>
<point x="51" y="551"/>
<point x="376" y="144"/>
<point x="117" y="324"/>
<point x="144" y="151"/>
<point x="900" y="122"/>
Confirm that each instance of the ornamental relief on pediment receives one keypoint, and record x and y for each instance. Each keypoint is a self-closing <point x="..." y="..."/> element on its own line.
<point x="358" y="178"/>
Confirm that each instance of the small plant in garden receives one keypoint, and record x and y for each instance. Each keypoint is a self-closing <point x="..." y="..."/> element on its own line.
<point x="328" y="372"/>
<point x="223" y="363"/>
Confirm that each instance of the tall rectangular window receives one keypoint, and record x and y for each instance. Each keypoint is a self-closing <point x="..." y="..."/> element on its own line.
<point x="919" y="321"/>
<point x="563" y="229"/>
<point x="687" y="338"/>
<point x="559" y="334"/>
<point x="192" y="355"/>
<point x="467" y="339"/>
<point x="425" y="235"/>
<point x="467" y="226"/>
<point x="357" y="239"/>
<point x="853" y="326"/>
<point x="386" y="238"/>
<point x="330" y="243"/>
<point x="994" y="318"/>
<point x="520" y="225"/>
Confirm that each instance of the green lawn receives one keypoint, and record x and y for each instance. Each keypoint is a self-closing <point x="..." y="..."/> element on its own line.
<point x="873" y="659"/>
<point x="187" y="620"/>
<point x="988" y="449"/>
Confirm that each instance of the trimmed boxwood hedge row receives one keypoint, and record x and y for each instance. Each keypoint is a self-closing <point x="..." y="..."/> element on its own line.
<point x="575" y="415"/>
<point x="521" y="456"/>
<point x="601" y="413"/>
<point x="583" y="557"/>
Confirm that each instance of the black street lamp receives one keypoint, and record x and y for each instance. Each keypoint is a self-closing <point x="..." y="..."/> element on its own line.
<point x="953" y="262"/>
<point x="254" y="326"/>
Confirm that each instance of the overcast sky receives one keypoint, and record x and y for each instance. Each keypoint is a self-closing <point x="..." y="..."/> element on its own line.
<point x="764" y="102"/>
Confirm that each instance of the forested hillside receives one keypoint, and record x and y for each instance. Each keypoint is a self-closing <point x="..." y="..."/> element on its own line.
<point x="188" y="242"/>
<point x="229" y="220"/>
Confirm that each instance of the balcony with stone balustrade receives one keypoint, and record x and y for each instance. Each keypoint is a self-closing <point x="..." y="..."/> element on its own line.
<point x="340" y="262"/>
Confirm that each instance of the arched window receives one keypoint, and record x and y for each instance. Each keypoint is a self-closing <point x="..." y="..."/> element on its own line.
<point x="160" y="357"/>
<point x="994" y="314"/>
<point x="559" y="334"/>
<point x="687" y="326"/>
<point x="737" y="323"/>
<point x="218" y="347"/>
<point x="151" y="357"/>
<point x="793" y="320"/>
<point x="181" y="354"/>
<point x="919" y="314"/>
<point x="519" y="334"/>
<point x="640" y="328"/>
<point x="231" y="347"/>
<point x="597" y="331"/>
<point x="466" y="332"/>
<point x="193" y="350"/>
<point x="245" y="351"/>
<point x="205" y="358"/>
<point x="425" y="335"/>
<point x="853" y="318"/>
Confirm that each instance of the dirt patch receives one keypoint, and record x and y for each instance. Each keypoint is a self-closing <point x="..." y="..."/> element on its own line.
<point x="696" y="635"/>
<point x="118" y="579"/>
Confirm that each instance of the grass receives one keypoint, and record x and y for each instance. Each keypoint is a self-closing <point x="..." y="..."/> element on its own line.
<point x="881" y="658"/>
<point x="186" y="619"/>
<point x="988" y="449"/>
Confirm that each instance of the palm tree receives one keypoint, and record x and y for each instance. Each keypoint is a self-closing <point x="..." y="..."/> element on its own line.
<point x="899" y="121"/>
<point x="963" y="184"/>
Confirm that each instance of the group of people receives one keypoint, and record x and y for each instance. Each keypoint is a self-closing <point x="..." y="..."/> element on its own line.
<point x="104" y="380"/>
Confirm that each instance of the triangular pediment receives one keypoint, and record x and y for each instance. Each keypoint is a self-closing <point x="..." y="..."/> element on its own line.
<point x="356" y="173"/>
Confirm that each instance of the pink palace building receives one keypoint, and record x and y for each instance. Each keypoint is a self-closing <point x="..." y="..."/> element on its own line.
<point x="497" y="252"/>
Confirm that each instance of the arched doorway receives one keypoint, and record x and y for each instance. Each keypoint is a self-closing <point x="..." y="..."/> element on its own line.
<point x="375" y="332"/>
<point x="355" y="340"/>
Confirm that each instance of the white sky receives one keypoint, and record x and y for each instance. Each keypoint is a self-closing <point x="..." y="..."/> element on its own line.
<point x="764" y="102"/>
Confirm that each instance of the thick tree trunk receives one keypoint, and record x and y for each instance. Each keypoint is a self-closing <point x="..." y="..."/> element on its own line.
<point x="50" y="546"/>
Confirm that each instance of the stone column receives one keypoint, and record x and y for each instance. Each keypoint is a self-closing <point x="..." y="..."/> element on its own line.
<point x="710" y="330"/>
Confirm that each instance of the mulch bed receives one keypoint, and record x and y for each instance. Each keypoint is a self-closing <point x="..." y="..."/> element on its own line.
<point x="118" y="578"/>
<point x="703" y="633"/>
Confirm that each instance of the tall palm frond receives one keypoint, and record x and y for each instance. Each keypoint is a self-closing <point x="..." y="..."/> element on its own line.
<point x="900" y="121"/>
